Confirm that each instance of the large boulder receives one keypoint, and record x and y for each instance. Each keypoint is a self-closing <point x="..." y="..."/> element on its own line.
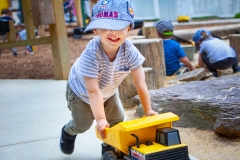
<point x="213" y="104"/>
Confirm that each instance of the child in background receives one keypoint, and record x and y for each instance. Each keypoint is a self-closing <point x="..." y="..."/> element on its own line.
<point x="5" y="17"/>
<point x="92" y="87"/>
<point x="173" y="52"/>
<point x="22" y="36"/>
<point x="69" y="7"/>
<point x="214" y="53"/>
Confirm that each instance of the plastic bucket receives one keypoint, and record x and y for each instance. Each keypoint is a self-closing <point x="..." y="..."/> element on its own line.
<point x="189" y="50"/>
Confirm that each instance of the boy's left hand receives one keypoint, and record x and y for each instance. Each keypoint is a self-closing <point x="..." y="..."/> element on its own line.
<point x="151" y="113"/>
<point x="102" y="124"/>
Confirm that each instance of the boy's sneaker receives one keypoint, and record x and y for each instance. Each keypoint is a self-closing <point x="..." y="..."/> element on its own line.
<point x="215" y="74"/>
<point x="15" y="53"/>
<point x="236" y="70"/>
<point x="67" y="142"/>
<point x="30" y="50"/>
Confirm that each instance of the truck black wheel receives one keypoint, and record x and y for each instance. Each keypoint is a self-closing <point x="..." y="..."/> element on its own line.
<point x="109" y="155"/>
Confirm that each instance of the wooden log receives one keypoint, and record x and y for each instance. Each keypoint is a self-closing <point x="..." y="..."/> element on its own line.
<point x="152" y="50"/>
<point x="58" y="34"/>
<point x="41" y="31"/>
<point x="92" y="3"/>
<point x="79" y="13"/>
<point x="28" y="19"/>
<point x="234" y="40"/>
<point x="11" y="35"/>
<point x="42" y="11"/>
<point x="28" y="42"/>
<point x="127" y="89"/>
<point x="149" y="32"/>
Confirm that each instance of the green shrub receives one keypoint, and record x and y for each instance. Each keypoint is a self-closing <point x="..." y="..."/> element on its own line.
<point x="237" y="15"/>
<point x="151" y="20"/>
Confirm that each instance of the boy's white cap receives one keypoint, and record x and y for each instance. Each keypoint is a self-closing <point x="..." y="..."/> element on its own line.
<point x="111" y="15"/>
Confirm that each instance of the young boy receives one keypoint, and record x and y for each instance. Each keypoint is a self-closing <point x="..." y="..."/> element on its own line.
<point x="69" y="7"/>
<point x="214" y="53"/>
<point x="5" y="17"/>
<point x="95" y="76"/>
<point x="173" y="52"/>
<point x="23" y="36"/>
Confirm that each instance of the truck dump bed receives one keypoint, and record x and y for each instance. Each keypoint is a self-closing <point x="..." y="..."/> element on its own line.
<point x="119" y="136"/>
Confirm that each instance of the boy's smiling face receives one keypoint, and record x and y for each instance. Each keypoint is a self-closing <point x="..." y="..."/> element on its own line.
<point x="111" y="40"/>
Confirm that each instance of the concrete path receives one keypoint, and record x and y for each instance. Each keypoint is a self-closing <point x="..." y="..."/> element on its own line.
<point x="32" y="113"/>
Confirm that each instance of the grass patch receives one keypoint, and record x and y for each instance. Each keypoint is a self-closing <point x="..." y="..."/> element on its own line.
<point x="151" y="20"/>
<point x="204" y="18"/>
<point x="237" y="15"/>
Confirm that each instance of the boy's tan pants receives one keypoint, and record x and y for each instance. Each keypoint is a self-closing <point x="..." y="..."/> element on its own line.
<point x="82" y="116"/>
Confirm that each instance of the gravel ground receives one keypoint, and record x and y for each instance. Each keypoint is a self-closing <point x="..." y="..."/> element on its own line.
<point x="203" y="144"/>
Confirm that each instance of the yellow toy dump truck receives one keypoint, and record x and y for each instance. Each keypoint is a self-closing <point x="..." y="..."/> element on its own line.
<point x="183" y="19"/>
<point x="148" y="138"/>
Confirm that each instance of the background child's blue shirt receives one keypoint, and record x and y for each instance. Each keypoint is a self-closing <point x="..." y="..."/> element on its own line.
<point x="173" y="51"/>
<point x="23" y="35"/>
<point x="5" y="18"/>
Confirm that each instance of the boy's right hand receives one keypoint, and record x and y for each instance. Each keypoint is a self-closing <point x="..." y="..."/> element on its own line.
<point x="101" y="125"/>
<point x="151" y="112"/>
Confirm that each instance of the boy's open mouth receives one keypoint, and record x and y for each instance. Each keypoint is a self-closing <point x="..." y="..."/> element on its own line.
<point x="115" y="39"/>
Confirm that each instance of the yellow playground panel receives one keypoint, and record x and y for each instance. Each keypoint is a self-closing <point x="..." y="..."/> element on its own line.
<point x="146" y="138"/>
<point x="4" y="4"/>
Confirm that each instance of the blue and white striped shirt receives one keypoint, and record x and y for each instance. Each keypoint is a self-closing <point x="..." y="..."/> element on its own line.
<point x="94" y="63"/>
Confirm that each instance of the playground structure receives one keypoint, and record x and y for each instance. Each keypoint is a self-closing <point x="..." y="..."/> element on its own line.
<point x="147" y="138"/>
<point x="38" y="14"/>
<point x="45" y="12"/>
<point x="4" y="4"/>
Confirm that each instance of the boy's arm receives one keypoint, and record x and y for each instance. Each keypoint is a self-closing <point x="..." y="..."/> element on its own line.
<point x="186" y="61"/>
<point x="200" y="61"/>
<point x="201" y="64"/>
<point x="138" y="78"/>
<point x="96" y="103"/>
